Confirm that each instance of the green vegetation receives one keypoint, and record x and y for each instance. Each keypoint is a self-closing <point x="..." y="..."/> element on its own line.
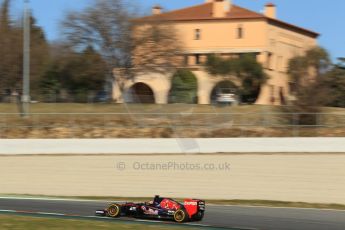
<point x="76" y="73"/>
<point x="306" y="75"/>
<point x="80" y="66"/>
<point x="13" y="222"/>
<point x="11" y="51"/>
<point x="315" y="82"/>
<point x="335" y="82"/>
<point x="184" y="87"/>
<point x="108" y="27"/>
<point x="246" y="69"/>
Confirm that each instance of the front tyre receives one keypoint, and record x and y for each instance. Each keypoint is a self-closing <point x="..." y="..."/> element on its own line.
<point x="114" y="210"/>
<point x="180" y="216"/>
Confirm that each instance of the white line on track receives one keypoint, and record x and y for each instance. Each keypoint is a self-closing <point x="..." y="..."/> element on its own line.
<point x="11" y="211"/>
<point x="52" y="199"/>
<point x="48" y="213"/>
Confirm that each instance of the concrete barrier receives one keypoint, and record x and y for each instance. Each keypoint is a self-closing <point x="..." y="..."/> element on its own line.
<point x="286" y="177"/>
<point x="164" y="146"/>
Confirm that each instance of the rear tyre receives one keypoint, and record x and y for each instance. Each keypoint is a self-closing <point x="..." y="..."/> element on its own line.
<point x="114" y="210"/>
<point x="199" y="216"/>
<point x="181" y="216"/>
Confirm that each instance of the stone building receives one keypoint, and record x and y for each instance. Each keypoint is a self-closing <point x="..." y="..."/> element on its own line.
<point x="222" y="28"/>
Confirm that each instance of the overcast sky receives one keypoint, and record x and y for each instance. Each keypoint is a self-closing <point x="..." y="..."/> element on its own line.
<point x="325" y="17"/>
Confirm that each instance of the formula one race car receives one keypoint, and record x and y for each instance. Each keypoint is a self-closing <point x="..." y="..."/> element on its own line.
<point x="158" y="208"/>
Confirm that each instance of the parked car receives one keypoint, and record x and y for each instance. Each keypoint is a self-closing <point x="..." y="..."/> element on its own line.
<point x="102" y="96"/>
<point x="227" y="98"/>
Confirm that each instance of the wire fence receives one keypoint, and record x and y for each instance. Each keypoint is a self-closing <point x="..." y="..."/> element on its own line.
<point x="63" y="97"/>
<point x="171" y="125"/>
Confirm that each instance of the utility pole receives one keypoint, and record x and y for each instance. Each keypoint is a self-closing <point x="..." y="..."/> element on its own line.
<point x="26" y="61"/>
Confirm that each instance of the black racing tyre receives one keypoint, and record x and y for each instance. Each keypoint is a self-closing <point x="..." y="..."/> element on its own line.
<point x="199" y="216"/>
<point x="114" y="210"/>
<point x="181" y="216"/>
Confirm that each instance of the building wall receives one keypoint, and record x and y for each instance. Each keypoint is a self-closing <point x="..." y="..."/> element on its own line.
<point x="161" y="85"/>
<point x="282" y="45"/>
<point x="219" y="36"/>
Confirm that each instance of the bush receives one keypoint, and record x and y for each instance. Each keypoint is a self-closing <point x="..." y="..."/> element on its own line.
<point x="183" y="87"/>
<point x="245" y="68"/>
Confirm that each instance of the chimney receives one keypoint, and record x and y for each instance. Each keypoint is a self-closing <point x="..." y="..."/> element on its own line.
<point x="156" y="10"/>
<point x="270" y="10"/>
<point x="220" y="7"/>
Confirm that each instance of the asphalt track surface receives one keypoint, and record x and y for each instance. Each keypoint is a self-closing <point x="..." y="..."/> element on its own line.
<point x="232" y="217"/>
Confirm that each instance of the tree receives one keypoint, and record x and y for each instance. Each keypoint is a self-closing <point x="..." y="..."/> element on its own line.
<point x="39" y="55"/>
<point x="318" y="58"/>
<point x="50" y="83"/>
<point x="245" y="68"/>
<point x="155" y="47"/>
<point x="109" y="27"/>
<point x="11" y="47"/>
<point x="307" y="68"/>
<point x="84" y="72"/>
<point x="183" y="87"/>
<point x="308" y="74"/>
<point x="334" y="81"/>
<point x="104" y="25"/>
<point x="78" y="73"/>
<point x="4" y="16"/>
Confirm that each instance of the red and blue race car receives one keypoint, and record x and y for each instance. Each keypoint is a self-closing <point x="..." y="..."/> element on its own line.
<point x="158" y="208"/>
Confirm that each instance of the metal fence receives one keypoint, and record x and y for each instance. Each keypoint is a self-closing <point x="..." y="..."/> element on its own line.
<point x="171" y="125"/>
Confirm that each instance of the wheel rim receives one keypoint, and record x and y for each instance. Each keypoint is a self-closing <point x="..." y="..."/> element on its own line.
<point x="179" y="216"/>
<point x="113" y="210"/>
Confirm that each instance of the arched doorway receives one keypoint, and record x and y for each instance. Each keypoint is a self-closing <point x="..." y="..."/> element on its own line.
<point x="184" y="86"/>
<point x="140" y="93"/>
<point x="226" y="88"/>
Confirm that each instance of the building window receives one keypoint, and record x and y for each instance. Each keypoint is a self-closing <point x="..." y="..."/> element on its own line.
<point x="197" y="35"/>
<point x="185" y="60"/>
<point x="272" y="94"/>
<point x="282" y="96"/>
<point x="269" y="61"/>
<point x="197" y="59"/>
<point x="240" y="32"/>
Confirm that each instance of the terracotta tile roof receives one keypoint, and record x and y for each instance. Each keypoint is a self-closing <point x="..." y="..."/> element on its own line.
<point x="201" y="12"/>
<point x="237" y="12"/>
<point x="204" y="12"/>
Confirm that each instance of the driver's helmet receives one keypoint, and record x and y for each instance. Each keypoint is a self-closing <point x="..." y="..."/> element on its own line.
<point x="156" y="199"/>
